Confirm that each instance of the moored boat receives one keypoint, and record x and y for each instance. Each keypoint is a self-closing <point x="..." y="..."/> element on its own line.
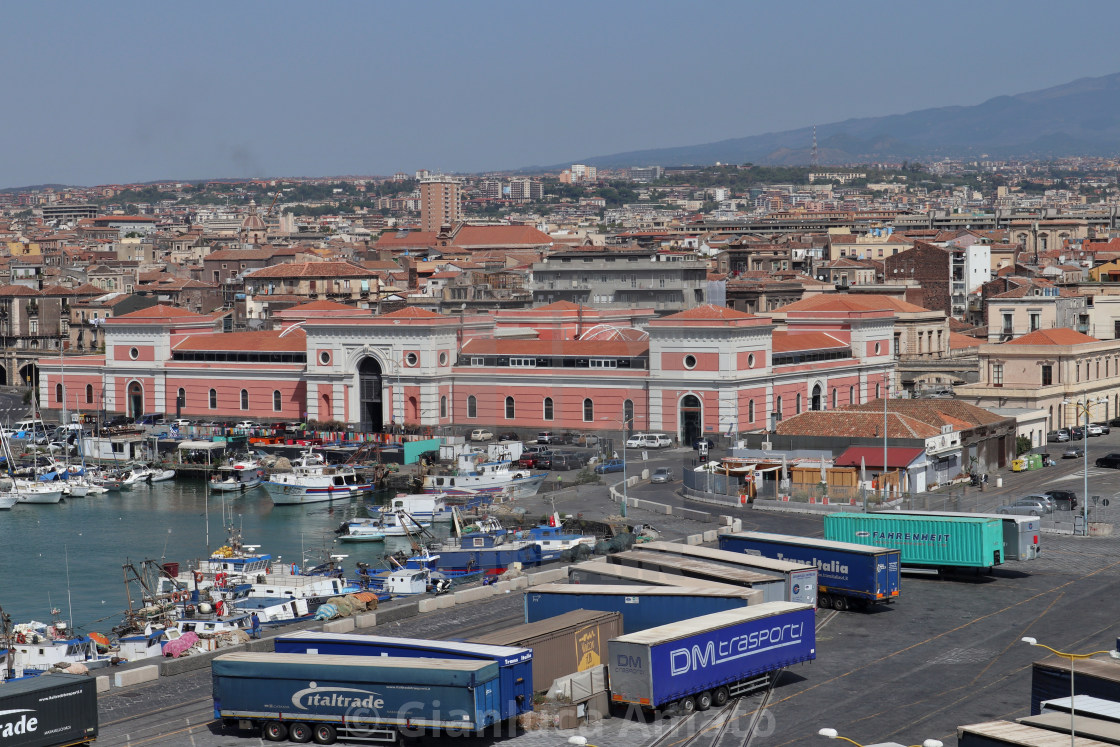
<point x="476" y="474"/>
<point x="312" y="480"/>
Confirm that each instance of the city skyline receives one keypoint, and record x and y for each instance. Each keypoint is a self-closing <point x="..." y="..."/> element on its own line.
<point x="133" y="94"/>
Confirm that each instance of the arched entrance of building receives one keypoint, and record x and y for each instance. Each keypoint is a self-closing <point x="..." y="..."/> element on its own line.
<point x="29" y="375"/>
<point x="3" y="376"/>
<point x="816" y="403"/>
<point x="413" y="411"/>
<point x="691" y="419"/>
<point x="135" y="399"/>
<point x="371" y="416"/>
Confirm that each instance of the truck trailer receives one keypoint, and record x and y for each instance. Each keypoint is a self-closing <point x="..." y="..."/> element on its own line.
<point x="515" y="665"/>
<point x="360" y="698"/>
<point x="51" y="710"/>
<point x="924" y="541"/>
<point x="705" y="661"/>
<point x="848" y="575"/>
<point x="1021" y="534"/>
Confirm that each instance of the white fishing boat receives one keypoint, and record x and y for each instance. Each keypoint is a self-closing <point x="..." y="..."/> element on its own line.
<point x="38" y="647"/>
<point x="312" y="480"/>
<point x="161" y="475"/>
<point x="37" y="492"/>
<point x="8" y="499"/>
<point x="237" y="477"/>
<point x="420" y="506"/>
<point x="361" y="530"/>
<point x="477" y="474"/>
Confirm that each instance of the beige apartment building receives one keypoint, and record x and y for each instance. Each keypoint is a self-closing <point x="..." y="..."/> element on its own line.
<point x="1050" y="370"/>
<point x="440" y="203"/>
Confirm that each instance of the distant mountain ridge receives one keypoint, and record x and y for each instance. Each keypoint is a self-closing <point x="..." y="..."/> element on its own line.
<point x="1072" y="119"/>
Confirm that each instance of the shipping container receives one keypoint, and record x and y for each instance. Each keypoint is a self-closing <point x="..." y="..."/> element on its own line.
<point x="641" y="606"/>
<point x="51" y="710"/>
<point x="1021" y="534"/>
<point x="565" y="644"/>
<point x="706" y="660"/>
<point x="515" y="665"/>
<point x="697" y="572"/>
<point x="847" y="574"/>
<point x="599" y="571"/>
<point x="347" y="697"/>
<point x="1087" y="727"/>
<point x="1050" y="680"/>
<point x="1003" y="733"/>
<point x="924" y="541"/>
<point x="1086" y="705"/>
<point x="800" y="578"/>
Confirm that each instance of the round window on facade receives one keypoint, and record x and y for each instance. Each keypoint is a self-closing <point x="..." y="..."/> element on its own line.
<point x="443" y="359"/>
<point x="133" y="353"/>
<point x="411" y="359"/>
<point x="690" y="361"/>
<point x="324" y="357"/>
<point x="750" y="360"/>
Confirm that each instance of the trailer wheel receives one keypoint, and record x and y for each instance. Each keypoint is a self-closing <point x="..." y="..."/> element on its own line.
<point x="299" y="733"/>
<point x="704" y="701"/>
<point x="325" y="734"/>
<point x="274" y="731"/>
<point x="840" y="603"/>
<point x="824" y="601"/>
<point x="686" y="706"/>
<point x="720" y="697"/>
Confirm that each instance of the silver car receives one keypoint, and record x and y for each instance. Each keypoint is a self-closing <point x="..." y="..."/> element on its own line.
<point x="661" y="474"/>
<point x="1026" y="507"/>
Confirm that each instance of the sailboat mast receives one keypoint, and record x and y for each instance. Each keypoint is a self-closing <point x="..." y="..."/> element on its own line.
<point x="69" y="600"/>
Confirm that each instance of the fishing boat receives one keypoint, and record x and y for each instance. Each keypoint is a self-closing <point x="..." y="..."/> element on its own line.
<point x="554" y="540"/>
<point x="36" y="492"/>
<point x="422" y="506"/>
<point x="361" y="530"/>
<point x="38" y="647"/>
<point x="396" y="524"/>
<point x="237" y="477"/>
<point x="8" y="499"/>
<point x="312" y="480"/>
<point x="478" y="474"/>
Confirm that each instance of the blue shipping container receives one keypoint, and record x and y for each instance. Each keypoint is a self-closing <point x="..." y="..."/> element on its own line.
<point x="355" y="691"/>
<point x="641" y="606"/>
<point x="515" y="665"/>
<point x="844" y="570"/>
<point x="712" y="655"/>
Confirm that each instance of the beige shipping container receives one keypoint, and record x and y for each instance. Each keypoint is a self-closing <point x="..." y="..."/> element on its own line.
<point x="573" y="642"/>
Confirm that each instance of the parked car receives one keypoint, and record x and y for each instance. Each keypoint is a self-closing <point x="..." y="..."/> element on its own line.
<point x="635" y="441"/>
<point x="119" y="422"/>
<point x="696" y="443"/>
<point x="509" y="436"/>
<point x="1057" y="437"/>
<point x="180" y="423"/>
<point x="587" y="439"/>
<point x="1095" y="430"/>
<point x="662" y="474"/>
<point x="610" y="465"/>
<point x="546" y="437"/>
<point x="533" y="457"/>
<point x="566" y="461"/>
<point x="246" y="424"/>
<point x="1026" y="507"/>
<point x="1105" y="428"/>
<point x="1073" y="452"/>
<point x="1076" y="433"/>
<point x="1115" y="422"/>
<point x="1112" y="461"/>
<point x="543" y="460"/>
<point x="1063" y="499"/>
<point x="481" y="434"/>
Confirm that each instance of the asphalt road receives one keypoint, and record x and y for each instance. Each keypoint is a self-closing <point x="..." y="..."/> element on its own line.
<point x="948" y="652"/>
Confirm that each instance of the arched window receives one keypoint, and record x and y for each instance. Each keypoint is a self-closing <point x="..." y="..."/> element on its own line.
<point x="89" y="394"/>
<point x="213" y="399"/>
<point x="834" y="398"/>
<point x="58" y="393"/>
<point x="244" y="399"/>
<point x="443" y="407"/>
<point x="588" y="410"/>
<point x="549" y="412"/>
<point x="797" y="404"/>
<point x="628" y="414"/>
<point x="511" y="411"/>
<point x="750" y="411"/>
<point x="277" y="401"/>
<point x="472" y="407"/>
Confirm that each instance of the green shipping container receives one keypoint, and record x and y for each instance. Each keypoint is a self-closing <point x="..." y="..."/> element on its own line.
<point x="924" y="541"/>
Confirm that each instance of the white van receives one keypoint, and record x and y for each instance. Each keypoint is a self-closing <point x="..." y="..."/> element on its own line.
<point x="649" y="441"/>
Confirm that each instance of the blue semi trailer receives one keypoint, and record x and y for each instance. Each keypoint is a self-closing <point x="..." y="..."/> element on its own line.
<point x="515" y="665"/>
<point x="705" y="661"/>
<point x="357" y="698"/>
<point x="847" y="574"/>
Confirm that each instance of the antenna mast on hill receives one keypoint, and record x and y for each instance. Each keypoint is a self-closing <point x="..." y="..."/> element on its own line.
<point x="814" y="161"/>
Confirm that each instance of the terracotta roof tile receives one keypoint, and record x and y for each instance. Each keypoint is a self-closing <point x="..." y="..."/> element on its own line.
<point x="957" y="341"/>
<point x="785" y="342"/>
<point x="312" y="270"/>
<point x="846" y="423"/>
<point x="161" y="312"/>
<point x="710" y="311"/>
<point x="1059" y="336"/>
<point x="847" y="302"/>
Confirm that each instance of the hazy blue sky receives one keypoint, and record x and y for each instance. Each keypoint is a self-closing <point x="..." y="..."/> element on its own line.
<point x="121" y="91"/>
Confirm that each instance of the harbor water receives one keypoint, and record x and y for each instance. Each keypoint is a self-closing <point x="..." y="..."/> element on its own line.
<point x="91" y="538"/>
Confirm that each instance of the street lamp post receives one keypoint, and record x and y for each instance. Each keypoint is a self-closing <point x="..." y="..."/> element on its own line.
<point x="1085" y="407"/>
<point x="1072" y="658"/>
<point x="625" y="482"/>
<point x="832" y="734"/>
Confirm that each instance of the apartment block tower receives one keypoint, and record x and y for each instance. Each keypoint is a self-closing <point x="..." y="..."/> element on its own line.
<point x="440" y="203"/>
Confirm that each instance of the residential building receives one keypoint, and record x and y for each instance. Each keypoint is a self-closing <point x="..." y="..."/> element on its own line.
<point x="1034" y="306"/>
<point x="440" y="203"/>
